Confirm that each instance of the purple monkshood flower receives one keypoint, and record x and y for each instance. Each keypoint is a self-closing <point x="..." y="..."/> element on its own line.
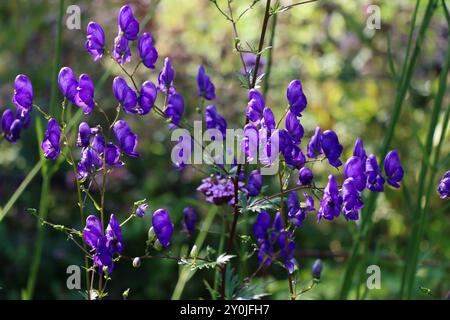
<point x="205" y="86"/>
<point x="166" y="75"/>
<point x="23" y="94"/>
<point x="255" y="106"/>
<point x="11" y="127"/>
<point x="112" y="155"/>
<point x="315" y="144"/>
<point x="147" y="50"/>
<point x="84" y="135"/>
<point x="296" y="98"/>
<point x="287" y="246"/>
<point x="359" y="150"/>
<point x="125" y="95"/>
<point x="141" y="210"/>
<point x="68" y="83"/>
<point x="268" y="120"/>
<point x="162" y="226"/>
<point x="190" y="219"/>
<point x="444" y="186"/>
<point x="332" y="148"/>
<point x="352" y="200"/>
<point x="294" y="128"/>
<point x="250" y="141"/>
<point x="89" y="163"/>
<point x="262" y="225"/>
<point x="354" y="168"/>
<point x="375" y="182"/>
<point x="393" y="169"/>
<point x="309" y="202"/>
<point x="92" y="231"/>
<point x="294" y="156"/>
<point x="214" y="120"/>
<point x="147" y="97"/>
<point x="85" y="94"/>
<point x="305" y="176"/>
<point x="175" y="108"/>
<point x="128" y="141"/>
<point x="330" y="205"/>
<point x="219" y="190"/>
<point x="121" y="50"/>
<point x="128" y="25"/>
<point x="316" y="269"/>
<point x="254" y="185"/>
<point x="296" y="214"/>
<point x="50" y="144"/>
<point x="24" y="118"/>
<point x="114" y="240"/>
<point x="95" y="40"/>
<point x="250" y="63"/>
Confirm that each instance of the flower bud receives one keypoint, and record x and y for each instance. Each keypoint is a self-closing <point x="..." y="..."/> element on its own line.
<point x="316" y="269"/>
<point x="194" y="252"/>
<point x="157" y="245"/>
<point x="151" y="234"/>
<point x="136" y="262"/>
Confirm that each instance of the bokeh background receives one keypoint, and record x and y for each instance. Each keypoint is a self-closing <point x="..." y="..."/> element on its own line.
<point x="350" y="88"/>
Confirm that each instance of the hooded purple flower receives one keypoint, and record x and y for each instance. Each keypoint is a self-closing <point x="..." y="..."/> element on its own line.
<point x="84" y="135"/>
<point x="162" y="226"/>
<point x="354" y="168"/>
<point x="141" y="209"/>
<point x="255" y="106"/>
<point x="296" y="98"/>
<point x="92" y="231"/>
<point x="359" y="150"/>
<point x="444" y="186"/>
<point x="315" y="144"/>
<point x="95" y="40"/>
<point x="268" y="120"/>
<point x="121" y="50"/>
<point x="147" y="97"/>
<point x="332" y="148"/>
<point x="375" y="182"/>
<point x="316" y="269"/>
<point x="294" y="128"/>
<point x="352" y="199"/>
<point x="214" y="120"/>
<point x="190" y="218"/>
<point x="84" y="97"/>
<point x="128" y="141"/>
<point x="89" y="163"/>
<point x="309" y="202"/>
<point x="205" y="86"/>
<point x="127" y="23"/>
<point x="103" y="257"/>
<point x="50" y="144"/>
<point x="262" y="225"/>
<point x="330" y="205"/>
<point x="250" y="63"/>
<point x="11" y="127"/>
<point x="254" y="184"/>
<point x="68" y="84"/>
<point x="147" y="50"/>
<point x="305" y="176"/>
<point x="296" y="214"/>
<point x="125" y="95"/>
<point x="250" y="142"/>
<point x="23" y="94"/>
<point x="393" y="169"/>
<point x="294" y="156"/>
<point x="166" y="75"/>
<point x="287" y="251"/>
<point x="114" y="240"/>
<point x="175" y="108"/>
<point x="112" y="155"/>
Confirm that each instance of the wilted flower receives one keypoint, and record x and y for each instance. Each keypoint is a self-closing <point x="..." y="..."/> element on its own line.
<point x="127" y="140"/>
<point x="166" y="75"/>
<point x="190" y="218"/>
<point x="11" y="127"/>
<point x="147" y="97"/>
<point x="305" y="176"/>
<point x="50" y="144"/>
<point x="255" y="106"/>
<point x="125" y="95"/>
<point x="205" y="86"/>
<point x="147" y="50"/>
<point x="354" y="167"/>
<point x="393" y="169"/>
<point x="330" y="205"/>
<point x="352" y="200"/>
<point x="95" y="40"/>
<point x="316" y="269"/>
<point x="23" y="94"/>
<point x="444" y="186"/>
<point x="375" y="182"/>
<point x="296" y="98"/>
<point x="175" y="108"/>
<point x="214" y="120"/>
<point x="162" y="226"/>
<point x="121" y="50"/>
<point x="128" y="25"/>
<point x="315" y="144"/>
<point x="254" y="184"/>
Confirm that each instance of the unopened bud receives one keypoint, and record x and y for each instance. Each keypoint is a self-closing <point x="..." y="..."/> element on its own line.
<point x="136" y="262"/>
<point x="194" y="252"/>
<point x="151" y="235"/>
<point x="316" y="269"/>
<point x="157" y="245"/>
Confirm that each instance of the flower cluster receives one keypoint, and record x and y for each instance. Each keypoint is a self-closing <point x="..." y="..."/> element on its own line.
<point x="219" y="189"/>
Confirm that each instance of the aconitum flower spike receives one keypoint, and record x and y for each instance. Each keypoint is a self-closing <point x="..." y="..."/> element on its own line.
<point x="175" y="108"/>
<point x="127" y="23"/>
<point x="121" y="50"/>
<point x="125" y="95"/>
<point x="50" y="144"/>
<point x="393" y="168"/>
<point x="359" y="150"/>
<point x="214" y="120"/>
<point x="305" y="176"/>
<point x="166" y="75"/>
<point x="84" y="97"/>
<point x="147" y="97"/>
<point x="114" y="240"/>
<point x="262" y="225"/>
<point x="68" y="84"/>
<point x="162" y="226"/>
<point x="254" y="184"/>
<point x="294" y="128"/>
<point x="92" y="232"/>
<point x="332" y="148"/>
<point x="147" y="50"/>
<point x="268" y="120"/>
<point x="352" y="200"/>
<point x="255" y="106"/>
<point x="330" y="205"/>
<point x="23" y="94"/>
<point x="190" y="218"/>
<point x="375" y="182"/>
<point x="354" y="167"/>
<point x="112" y="155"/>
<point x="296" y="98"/>
<point x="316" y="269"/>
<point x="315" y="144"/>
<point x="205" y="86"/>
<point x="95" y="40"/>
<point x="128" y="141"/>
<point x="444" y="186"/>
<point x="84" y="135"/>
<point x="11" y="127"/>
